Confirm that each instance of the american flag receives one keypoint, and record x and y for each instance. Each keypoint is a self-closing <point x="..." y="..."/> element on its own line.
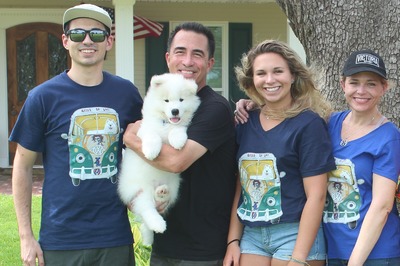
<point x="142" y="27"/>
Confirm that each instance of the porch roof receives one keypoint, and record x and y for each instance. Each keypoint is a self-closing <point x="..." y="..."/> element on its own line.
<point x="68" y="3"/>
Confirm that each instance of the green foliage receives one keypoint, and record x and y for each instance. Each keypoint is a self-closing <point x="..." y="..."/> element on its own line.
<point x="9" y="240"/>
<point x="142" y="253"/>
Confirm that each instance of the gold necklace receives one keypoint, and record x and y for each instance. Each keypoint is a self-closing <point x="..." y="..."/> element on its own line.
<point x="264" y="113"/>
<point x="344" y="141"/>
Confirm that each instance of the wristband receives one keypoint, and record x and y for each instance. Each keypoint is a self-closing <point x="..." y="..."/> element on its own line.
<point x="234" y="240"/>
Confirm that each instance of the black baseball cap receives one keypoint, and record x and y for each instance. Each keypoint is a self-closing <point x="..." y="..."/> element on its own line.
<point x="364" y="61"/>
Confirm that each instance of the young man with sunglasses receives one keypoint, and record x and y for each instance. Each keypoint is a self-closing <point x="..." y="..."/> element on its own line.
<point x="76" y="120"/>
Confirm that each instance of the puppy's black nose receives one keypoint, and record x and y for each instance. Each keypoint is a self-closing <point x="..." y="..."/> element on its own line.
<point x="175" y="112"/>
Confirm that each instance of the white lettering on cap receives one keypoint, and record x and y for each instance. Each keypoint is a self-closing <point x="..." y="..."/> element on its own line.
<point x="367" y="59"/>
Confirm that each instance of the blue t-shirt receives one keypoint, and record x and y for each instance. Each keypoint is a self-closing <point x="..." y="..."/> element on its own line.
<point x="79" y="131"/>
<point x="350" y="189"/>
<point x="273" y="163"/>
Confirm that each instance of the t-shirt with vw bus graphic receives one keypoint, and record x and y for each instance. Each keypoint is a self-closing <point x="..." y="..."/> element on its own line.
<point x="79" y="130"/>
<point x="273" y="163"/>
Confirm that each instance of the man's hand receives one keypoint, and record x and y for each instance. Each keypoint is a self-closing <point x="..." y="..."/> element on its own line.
<point x="161" y="202"/>
<point x="30" y="252"/>
<point x="130" y="134"/>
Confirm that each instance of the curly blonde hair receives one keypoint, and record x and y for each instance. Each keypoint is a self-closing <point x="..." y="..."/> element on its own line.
<point x="304" y="92"/>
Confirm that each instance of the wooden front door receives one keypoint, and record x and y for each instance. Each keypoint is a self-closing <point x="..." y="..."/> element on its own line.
<point x="34" y="54"/>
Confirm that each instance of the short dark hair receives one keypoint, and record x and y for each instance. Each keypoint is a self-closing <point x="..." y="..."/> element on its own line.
<point x="197" y="28"/>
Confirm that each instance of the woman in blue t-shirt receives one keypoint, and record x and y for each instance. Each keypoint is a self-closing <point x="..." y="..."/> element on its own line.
<point x="361" y="221"/>
<point x="284" y="154"/>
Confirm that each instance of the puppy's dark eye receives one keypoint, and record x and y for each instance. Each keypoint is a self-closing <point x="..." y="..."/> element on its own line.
<point x="181" y="100"/>
<point x="166" y="100"/>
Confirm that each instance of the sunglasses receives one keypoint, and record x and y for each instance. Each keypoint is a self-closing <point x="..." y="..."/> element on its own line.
<point x="78" y="35"/>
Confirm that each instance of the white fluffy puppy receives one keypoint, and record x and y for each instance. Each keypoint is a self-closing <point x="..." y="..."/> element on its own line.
<point x="168" y="108"/>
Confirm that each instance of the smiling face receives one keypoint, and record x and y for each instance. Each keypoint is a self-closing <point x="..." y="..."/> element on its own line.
<point x="363" y="91"/>
<point x="273" y="79"/>
<point x="87" y="53"/>
<point x="189" y="56"/>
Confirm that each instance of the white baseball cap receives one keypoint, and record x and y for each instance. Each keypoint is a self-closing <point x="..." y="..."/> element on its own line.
<point x="88" y="11"/>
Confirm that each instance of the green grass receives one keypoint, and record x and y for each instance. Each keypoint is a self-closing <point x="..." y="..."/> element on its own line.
<point x="142" y="253"/>
<point x="9" y="240"/>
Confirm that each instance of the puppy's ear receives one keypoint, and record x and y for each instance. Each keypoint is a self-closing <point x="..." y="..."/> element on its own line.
<point x="156" y="81"/>
<point x="192" y="85"/>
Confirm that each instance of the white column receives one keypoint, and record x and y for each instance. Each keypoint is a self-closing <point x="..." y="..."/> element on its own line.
<point x="3" y="101"/>
<point x="124" y="49"/>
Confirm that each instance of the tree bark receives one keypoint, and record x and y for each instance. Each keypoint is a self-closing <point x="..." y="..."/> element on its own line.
<point x="330" y="30"/>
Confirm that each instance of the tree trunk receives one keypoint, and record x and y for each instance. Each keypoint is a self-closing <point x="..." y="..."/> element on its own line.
<point x="330" y="30"/>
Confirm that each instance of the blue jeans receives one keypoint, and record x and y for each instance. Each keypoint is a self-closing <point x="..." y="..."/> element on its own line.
<point x="376" y="262"/>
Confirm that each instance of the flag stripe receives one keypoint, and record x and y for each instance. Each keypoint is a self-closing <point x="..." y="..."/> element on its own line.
<point x="142" y="27"/>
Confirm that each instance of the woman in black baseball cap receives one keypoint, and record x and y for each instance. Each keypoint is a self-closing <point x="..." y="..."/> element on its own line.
<point x="361" y="222"/>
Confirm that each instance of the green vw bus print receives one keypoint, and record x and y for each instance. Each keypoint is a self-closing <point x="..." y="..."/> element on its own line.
<point x="343" y="200"/>
<point x="93" y="144"/>
<point x="261" y="188"/>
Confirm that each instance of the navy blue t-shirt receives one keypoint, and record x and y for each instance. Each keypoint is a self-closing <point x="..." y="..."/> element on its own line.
<point x="79" y="131"/>
<point x="273" y="163"/>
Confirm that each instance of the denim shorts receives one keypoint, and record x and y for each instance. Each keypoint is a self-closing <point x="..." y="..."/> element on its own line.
<point x="278" y="240"/>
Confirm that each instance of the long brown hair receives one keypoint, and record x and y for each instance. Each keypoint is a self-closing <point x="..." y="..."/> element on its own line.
<point x="304" y="91"/>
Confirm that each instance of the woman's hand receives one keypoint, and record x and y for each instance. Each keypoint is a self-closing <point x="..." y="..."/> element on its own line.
<point x="232" y="255"/>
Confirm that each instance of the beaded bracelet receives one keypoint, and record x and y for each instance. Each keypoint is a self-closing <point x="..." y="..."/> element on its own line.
<point x="305" y="263"/>
<point x="234" y="240"/>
